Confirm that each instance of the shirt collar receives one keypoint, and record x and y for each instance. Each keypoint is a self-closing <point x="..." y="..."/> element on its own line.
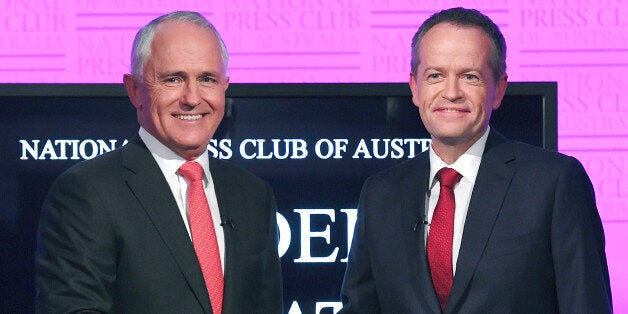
<point x="467" y="165"/>
<point x="169" y="162"/>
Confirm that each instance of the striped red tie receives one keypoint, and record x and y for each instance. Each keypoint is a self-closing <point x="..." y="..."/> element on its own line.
<point x="440" y="238"/>
<point x="204" y="234"/>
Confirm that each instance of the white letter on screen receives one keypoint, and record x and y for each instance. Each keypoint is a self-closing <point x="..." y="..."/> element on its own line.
<point x="307" y="235"/>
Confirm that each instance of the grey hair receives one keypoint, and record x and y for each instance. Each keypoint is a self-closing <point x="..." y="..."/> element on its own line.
<point x="469" y="18"/>
<point x="143" y="39"/>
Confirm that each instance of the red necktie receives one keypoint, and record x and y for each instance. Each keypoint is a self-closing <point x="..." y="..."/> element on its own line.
<point x="204" y="234"/>
<point x="440" y="238"/>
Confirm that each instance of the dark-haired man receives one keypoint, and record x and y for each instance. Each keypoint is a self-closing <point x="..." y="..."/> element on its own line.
<point x="479" y="223"/>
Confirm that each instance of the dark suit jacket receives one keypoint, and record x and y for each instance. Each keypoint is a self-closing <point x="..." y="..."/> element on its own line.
<point x="532" y="241"/>
<point x="111" y="239"/>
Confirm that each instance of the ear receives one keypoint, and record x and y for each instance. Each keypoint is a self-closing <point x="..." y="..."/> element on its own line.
<point x="226" y="84"/>
<point x="133" y="90"/>
<point x="414" y="89"/>
<point x="500" y="91"/>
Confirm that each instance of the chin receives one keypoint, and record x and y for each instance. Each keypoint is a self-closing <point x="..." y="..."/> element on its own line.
<point x="453" y="139"/>
<point x="191" y="153"/>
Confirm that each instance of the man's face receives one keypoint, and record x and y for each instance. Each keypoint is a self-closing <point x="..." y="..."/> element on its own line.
<point x="181" y="99"/>
<point x="453" y="86"/>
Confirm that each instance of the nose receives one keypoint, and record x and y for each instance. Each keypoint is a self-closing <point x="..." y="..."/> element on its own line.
<point x="452" y="91"/>
<point x="192" y="95"/>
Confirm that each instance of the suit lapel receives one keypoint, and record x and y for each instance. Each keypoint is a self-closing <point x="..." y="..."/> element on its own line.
<point x="413" y="212"/>
<point x="492" y="184"/>
<point x="228" y="203"/>
<point x="150" y="188"/>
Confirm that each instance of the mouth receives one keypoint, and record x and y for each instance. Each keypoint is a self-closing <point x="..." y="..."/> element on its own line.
<point x="451" y="110"/>
<point x="188" y="117"/>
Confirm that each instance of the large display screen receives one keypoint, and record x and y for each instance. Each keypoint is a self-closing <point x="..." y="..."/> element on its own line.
<point x="314" y="143"/>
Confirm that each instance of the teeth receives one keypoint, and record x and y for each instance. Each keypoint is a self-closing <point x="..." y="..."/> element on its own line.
<point x="188" y="117"/>
<point x="450" y="110"/>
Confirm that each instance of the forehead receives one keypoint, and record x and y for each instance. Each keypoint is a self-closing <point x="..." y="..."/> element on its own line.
<point x="176" y="42"/>
<point x="176" y="29"/>
<point x="446" y="40"/>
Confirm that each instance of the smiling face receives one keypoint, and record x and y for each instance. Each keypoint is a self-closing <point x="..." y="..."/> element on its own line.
<point x="180" y="99"/>
<point x="453" y="86"/>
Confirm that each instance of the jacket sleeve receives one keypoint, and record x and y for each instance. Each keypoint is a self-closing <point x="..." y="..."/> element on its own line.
<point x="272" y="288"/>
<point x="359" y="294"/>
<point x="577" y="241"/>
<point x="75" y="255"/>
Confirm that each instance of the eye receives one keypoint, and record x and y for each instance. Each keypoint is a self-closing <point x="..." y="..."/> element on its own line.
<point x="434" y="77"/>
<point x="208" y="79"/>
<point x="172" y="80"/>
<point x="471" y="77"/>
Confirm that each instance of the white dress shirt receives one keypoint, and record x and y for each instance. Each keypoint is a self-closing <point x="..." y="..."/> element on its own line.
<point x="169" y="163"/>
<point x="467" y="165"/>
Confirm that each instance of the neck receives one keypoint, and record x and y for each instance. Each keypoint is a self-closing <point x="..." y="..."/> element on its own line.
<point x="449" y="154"/>
<point x="449" y="150"/>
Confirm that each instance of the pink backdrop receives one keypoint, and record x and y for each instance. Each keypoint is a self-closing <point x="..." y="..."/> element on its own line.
<point x="581" y="44"/>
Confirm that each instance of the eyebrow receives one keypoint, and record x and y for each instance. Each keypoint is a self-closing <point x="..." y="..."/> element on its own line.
<point x="441" y="70"/>
<point x="185" y="75"/>
<point x="210" y="73"/>
<point x="172" y="73"/>
<point x="432" y="69"/>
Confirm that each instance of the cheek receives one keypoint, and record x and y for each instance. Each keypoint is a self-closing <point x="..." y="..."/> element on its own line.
<point x="216" y="100"/>
<point x="166" y="94"/>
<point x="425" y="98"/>
<point x="155" y="110"/>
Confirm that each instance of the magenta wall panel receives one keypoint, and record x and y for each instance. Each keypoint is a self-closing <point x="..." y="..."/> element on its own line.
<point x="583" y="45"/>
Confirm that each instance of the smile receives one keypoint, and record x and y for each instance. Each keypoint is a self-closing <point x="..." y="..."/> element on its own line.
<point x="188" y="117"/>
<point x="450" y="110"/>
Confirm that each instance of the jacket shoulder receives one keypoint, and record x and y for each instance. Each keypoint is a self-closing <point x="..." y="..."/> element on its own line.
<point x="229" y="172"/>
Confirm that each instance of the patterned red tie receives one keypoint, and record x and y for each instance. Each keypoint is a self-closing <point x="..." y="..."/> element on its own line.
<point x="440" y="238"/>
<point x="203" y="233"/>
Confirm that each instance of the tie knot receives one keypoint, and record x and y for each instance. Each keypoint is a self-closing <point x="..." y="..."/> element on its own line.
<point x="192" y="171"/>
<point x="448" y="177"/>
